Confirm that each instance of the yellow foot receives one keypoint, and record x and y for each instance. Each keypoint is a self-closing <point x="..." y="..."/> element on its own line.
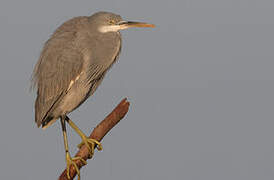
<point x="90" y="143"/>
<point x="71" y="161"/>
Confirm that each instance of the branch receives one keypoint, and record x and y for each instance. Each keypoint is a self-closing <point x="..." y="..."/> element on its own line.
<point x="98" y="133"/>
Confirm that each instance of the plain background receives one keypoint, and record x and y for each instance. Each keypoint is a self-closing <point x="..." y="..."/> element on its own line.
<point x="200" y="86"/>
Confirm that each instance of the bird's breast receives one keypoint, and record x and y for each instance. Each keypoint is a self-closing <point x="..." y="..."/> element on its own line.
<point x="107" y="48"/>
<point x="102" y="52"/>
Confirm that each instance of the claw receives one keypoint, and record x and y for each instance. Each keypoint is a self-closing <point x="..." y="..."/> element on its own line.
<point x="71" y="161"/>
<point x="90" y="143"/>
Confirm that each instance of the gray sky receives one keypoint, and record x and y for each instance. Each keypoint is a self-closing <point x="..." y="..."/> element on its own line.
<point x="200" y="86"/>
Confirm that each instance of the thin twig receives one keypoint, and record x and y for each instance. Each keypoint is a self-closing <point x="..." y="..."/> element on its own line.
<point x="98" y="133"/>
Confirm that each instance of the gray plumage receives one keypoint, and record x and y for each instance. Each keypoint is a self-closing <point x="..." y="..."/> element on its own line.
<point x="72" y="65"/>
<point x="74" y="62"/>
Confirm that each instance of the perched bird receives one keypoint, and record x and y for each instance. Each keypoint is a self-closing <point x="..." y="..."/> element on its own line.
<point x="72" y="65"/>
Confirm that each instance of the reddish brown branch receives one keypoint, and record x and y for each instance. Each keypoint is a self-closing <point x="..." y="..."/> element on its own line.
<point x="98" y="133"/>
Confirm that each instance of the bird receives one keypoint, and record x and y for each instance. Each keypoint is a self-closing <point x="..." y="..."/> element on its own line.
<point x="72" y="64"/>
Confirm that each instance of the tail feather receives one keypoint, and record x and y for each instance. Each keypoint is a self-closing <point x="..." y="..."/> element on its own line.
<point x="41" y="115"/>
<point x="43" y="111"/>
<point x="49" y="121"/>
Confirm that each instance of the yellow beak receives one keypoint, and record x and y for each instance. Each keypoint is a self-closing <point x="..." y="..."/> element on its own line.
<point x="129" y="24"/>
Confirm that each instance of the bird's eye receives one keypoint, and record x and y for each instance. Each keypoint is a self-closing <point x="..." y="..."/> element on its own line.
<point x="111" y="21"/>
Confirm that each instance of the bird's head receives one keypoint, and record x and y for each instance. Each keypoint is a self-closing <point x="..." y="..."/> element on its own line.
<point x="110" y="22"/>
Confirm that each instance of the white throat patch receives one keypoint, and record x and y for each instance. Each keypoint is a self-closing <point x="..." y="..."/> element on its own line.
<point x="111" y="28"/>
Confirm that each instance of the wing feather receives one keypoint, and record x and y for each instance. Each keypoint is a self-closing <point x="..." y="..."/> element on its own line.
<point x="58" y="65"/>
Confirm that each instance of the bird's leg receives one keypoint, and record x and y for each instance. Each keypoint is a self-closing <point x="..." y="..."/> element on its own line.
<point x="70" y="161"/>
<point x="90" y="143"/>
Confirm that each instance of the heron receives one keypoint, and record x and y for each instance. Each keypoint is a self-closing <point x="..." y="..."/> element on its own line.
<point x="71" y="66"/>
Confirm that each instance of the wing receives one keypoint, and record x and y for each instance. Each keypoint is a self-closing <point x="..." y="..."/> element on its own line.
<point x="59" y="64"/>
